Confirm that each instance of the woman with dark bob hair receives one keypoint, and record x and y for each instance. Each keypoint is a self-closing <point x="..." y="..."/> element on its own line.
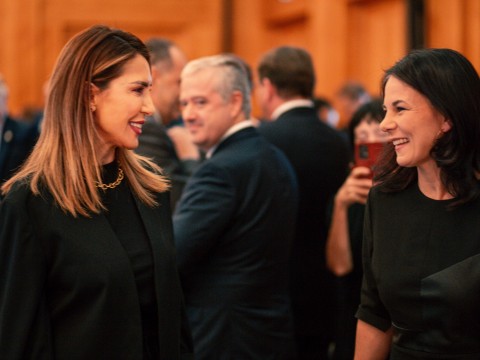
<point x="87" y="258"/>
<point x="421" y="248"/>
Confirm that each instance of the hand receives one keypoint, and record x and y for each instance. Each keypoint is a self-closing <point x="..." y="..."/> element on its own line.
<point x="185" y="148"/>
<point x="355" y="188"/>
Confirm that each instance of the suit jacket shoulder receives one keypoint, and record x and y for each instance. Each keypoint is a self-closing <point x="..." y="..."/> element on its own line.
<point x="18" y="140"/>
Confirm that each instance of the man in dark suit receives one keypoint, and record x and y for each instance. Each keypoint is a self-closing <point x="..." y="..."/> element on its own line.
<point x="168" y="144"/>
<point x="320" y="158"/>
<point x="17" y="138"/>
<point x="234" y="223"/>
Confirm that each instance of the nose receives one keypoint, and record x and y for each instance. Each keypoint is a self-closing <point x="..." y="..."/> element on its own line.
<point x="148" y="108"/>
<point x="387" y="123"/>
<point x="187" y="112"/>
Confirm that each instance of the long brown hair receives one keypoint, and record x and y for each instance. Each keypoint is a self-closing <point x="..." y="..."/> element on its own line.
<point x="64" y="160"/>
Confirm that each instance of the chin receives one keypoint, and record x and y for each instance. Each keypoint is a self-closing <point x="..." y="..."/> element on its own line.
<point x="131" y="146"/>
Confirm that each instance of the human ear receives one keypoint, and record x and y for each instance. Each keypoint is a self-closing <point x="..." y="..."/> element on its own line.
<point x="269" y="88"/>
<point x="237" y="101"/>
<point x="446" y="126"/>
<point x="94" y="92"/>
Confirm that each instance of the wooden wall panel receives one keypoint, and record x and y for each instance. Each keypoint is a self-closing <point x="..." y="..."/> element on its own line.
<point x="34" y="31"/>
<point x="20" y="55"/>
<point x="328" y="32"/>
<point x="348" y="39"/>
<point x="376" y="39"/>
<point x="456" y="25"/>
<point x="439" y="12"/>
<point x="472" y="32"/>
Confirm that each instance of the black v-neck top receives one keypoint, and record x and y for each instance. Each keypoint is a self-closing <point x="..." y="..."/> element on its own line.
<point x="124" y="218"/>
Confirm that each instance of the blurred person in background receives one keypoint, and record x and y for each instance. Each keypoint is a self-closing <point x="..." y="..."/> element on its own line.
<point x="344" y="242"/>
<point x="235" y="222"/>
<point x="320" y="158"/>
<point x="17" y="137"/>
<point x="163" y="137"/>
<point x="326" y="112"/>
<point x="349" y="98"/>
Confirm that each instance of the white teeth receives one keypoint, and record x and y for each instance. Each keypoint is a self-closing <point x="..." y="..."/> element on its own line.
<point x="399" y="141"/>
<point x="137" y="125"/>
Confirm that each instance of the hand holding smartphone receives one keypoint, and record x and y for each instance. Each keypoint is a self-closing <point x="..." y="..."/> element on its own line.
<point x="366" y="154"/>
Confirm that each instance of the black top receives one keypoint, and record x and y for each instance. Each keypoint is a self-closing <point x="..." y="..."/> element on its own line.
<point x="123" y="216"/>
<point x="422" y="274"/>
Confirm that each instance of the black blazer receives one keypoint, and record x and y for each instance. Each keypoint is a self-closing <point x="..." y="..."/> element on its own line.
<point x="233" y="229"/>
<point x="18" y="140"/>
<point x="320" y="158"/>
<point x="67" y="290"/>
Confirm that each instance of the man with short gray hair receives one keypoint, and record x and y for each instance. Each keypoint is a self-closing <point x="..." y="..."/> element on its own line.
<point x="234" y="223"/>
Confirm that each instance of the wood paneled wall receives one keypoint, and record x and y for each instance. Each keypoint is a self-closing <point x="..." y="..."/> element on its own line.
<point x="32" y="33"/>
<point x="348" y="39"/>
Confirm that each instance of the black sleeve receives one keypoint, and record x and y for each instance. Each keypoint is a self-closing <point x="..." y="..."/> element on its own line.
<point x="24" y="320"/>
<point x="201" y="216"/>
<point x="371" y="309"/>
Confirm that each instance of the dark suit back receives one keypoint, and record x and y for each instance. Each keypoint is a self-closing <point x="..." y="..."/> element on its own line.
<point x="320" y="158"/>
<point x="18" y="140"/>
<point x="233" y="229"/>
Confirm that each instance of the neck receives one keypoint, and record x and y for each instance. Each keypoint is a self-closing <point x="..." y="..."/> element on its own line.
<point x="431" y="185"/>
<point x="107" y="156"/>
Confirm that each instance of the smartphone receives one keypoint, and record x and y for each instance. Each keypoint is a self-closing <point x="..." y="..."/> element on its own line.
<point x="366" y="154"/>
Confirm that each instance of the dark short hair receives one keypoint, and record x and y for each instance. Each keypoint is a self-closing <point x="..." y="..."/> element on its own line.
<point x="159" y="49"/>
<point x="373" y="109"/>
<point x="353" y="90"/>
<point x="452" y="85"/>
<point x="290" y="69"/>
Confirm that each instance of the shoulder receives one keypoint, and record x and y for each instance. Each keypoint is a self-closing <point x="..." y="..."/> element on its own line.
<point x="389" y="205"/>
<point x="17" y="199"/>
<point x="19" y="192"/>
<point x="19" y="127"/>
<point x="241" y="148"/>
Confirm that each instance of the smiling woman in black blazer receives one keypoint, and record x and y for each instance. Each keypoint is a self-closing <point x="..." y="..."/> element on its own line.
<point x="86" y="251"/>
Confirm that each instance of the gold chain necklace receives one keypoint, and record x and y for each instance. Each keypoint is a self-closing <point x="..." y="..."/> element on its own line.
<point x="112" y="185"/>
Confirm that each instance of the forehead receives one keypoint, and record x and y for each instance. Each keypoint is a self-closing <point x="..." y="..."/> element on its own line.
<point x="368" y="123"/>
<point x="178" y="57"/>
<point x="202" y="81"/>
<point x="395" y="87"/>
<point x="397" y="91"/>
<point x="137" y="68"/>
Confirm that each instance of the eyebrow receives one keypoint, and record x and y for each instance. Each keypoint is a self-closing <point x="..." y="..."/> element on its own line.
<point x="143" y="83"/>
